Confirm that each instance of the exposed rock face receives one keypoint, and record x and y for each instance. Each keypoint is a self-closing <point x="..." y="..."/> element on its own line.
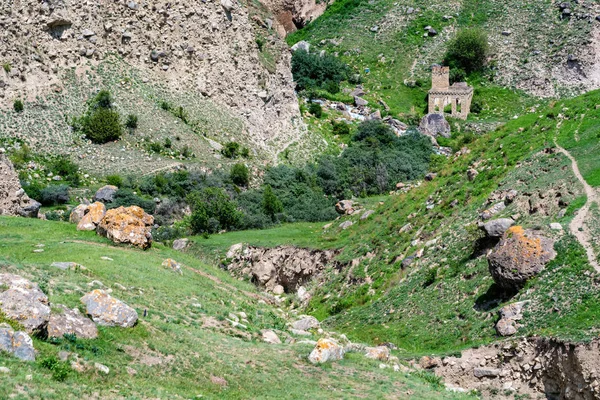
<point x="519" y="256"/>
<point x="326" y="350"/>
<point x="537" y="367"/>
<point x="19" y="344"/>
<point x="108" y="311"/>
<point x="287" y="266"/>
<point x="127" y="225"/>
<point x="23" y="301"/>
<point x="106" y="194"/>
<point x="434" y="125"/>
<point x="71" y="322"/>
<point x="291" y="15"/>
<point x="93" y="214"/>
<point x="13" y="200"/>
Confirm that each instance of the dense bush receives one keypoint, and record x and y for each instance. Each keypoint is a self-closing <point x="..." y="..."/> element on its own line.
<point x="18" y="106"/>
<point x="115" y="180"/>
<point x="132" y="121"/>
<point x="340" y="128"/>
<point x="271" y="204"/>
<point x="212" y="211"/>
<point x="314" y="71"/>
<point x="101" y="123"/>
<point x="315" y="109"/>
<point x="54" y="194"/>
<point x="21" y="156"/>
<point x="240" y="175"/>
<point x="468" y="51"/>
<point x="66" y="169"/>
<point x="126" y="198"/>
<point x="231" y="150"/>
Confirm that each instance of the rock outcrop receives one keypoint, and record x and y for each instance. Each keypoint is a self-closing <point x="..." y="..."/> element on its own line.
<point x="13" y="200"/>
<point x="127" y="225"/>
<point x="434" y="125"/>
<point x="23" y="301"/>
<point x="92" y="215"/>
<point x="71" y="322"/>
<point x="18" y="343"/>
<point x="519" y="256"/>
<point x="107" y="311"/>
<point x="286" y="266"/>
<point x="291" y="15"/>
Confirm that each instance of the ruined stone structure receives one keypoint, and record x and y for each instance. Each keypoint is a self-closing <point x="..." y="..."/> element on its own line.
<point x="459" y="95"/>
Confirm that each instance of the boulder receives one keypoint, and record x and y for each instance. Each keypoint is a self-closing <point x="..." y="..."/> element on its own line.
<point x="486" y="372"/>
<point x="180" y="244"/>
<point x="497" y="227"/>
<point x="78" y="213"/>
<point x="227" y="5"/>
<point x="106" y="194"/>
<point x="92" y="218"/>
<point x="301" y="45"/>
<point x="519" y="256"/>
<point x="18" y="344"/>
<point x="472" y="174"/>
<point x="434" y="125"/>
<point x="344" y="207"/>
<point x="427" y="362"/>
<point x="360" y="102"/>
<point x="346" y="224"/>
<point x="305" y="323"/>
<point x="381" y="353"/>
<point x="235" y="250"/>
<point x="366" y="215"/>
<point x="23" y="301"/>
<point x="172" y="265"/>
<point x="13" y="200"/>
<point x="107" y="311"/>
<point x="509" y="317"/>
<point x="71" y="322"/>
<point x="268" y="336"/>
<point x="127" y="225"/>
<point x="326" y="350"/>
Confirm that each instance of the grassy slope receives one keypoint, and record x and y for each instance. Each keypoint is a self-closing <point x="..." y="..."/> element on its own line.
<point x="173" y="331"/>
<point x="380" y="301"/>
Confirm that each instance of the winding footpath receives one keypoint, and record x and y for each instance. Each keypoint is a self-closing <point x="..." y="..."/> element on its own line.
<point x="578" y="222"/>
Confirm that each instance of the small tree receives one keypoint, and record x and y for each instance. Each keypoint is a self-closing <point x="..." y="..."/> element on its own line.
<point x="102" y="125"/>
<point x="231" y="150"/>
<point x="315" y="109"/>
<point x="468" y="51"/>
<point x="271" y="204"/>
<point x="132" y="121"/>
<point x="18" y="105"/>
<point x="240" y="174"/>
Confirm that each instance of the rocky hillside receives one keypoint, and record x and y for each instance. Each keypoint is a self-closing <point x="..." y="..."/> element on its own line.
<point x="221" y="61"/>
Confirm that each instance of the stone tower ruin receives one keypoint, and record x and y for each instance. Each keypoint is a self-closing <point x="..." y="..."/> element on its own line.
<point x="441" y="94"/>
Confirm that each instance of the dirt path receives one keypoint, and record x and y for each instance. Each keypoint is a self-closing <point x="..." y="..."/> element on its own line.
<point x="583" y="236"/>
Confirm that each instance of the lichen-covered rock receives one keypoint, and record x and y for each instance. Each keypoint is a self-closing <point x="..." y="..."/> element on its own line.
<point x="71" y="322"/>
<point x="381" y="353"/>
<point x="172" y="265"/>
<point x="19" y="344"/>
<point x="78" y="213"/>
<point x="23" y="301"/>
<point x="93" y="216"/>
<point x="106" y="193"/>
<point x="13" y="200"/>
<point x="127" y="225"/>
<point x="519" y="256"/>
<point x="107" y="311"/>
<point x="326" y="350"/>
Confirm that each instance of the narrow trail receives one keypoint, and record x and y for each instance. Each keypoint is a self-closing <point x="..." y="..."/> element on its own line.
<point x="582" y="236"/>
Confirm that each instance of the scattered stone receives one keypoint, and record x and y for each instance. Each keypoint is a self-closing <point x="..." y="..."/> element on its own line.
<point x="24" y="302"/>
<point x="360" y="102"/>
<point x="271" y="337"/>
<point x="472" y="174"/>
<point x="4" y="370"/>
<point x="326" y="350"/>
<point x="129" y="225"/>
<point x="18" y="344"/>
<point x="306" y="323"/>
<point x="71" y="322"/>
<point x="93" y="217"/>
<point x="555" y="226"/>
<point x="430" y="176"/>
<point x="65" y="266"/>
<point x="180" y="244"/>
<point x="518" y="256"/>
<point x="381" y="353"/>
<point x="108" y="311"/>
<point x="106" y="194"/>
<point x="509" y="317"/>
<point x="427" y="362"/>
<point x="486" y="372"/>
<point x="102" y="368"/>
<point x="344" y="207"/>
<point x="173" y="265"/>
<point x="346" y="224"/>
<point x="366" y="214"/>
<point x="497" y="227"/>
<point x="278" y="290"/>
<point x="301" y="45"/>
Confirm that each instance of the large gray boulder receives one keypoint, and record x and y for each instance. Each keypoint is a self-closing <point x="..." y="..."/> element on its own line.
<point x="519" y="256"/>
<point x="301" y="45"/>
<point x="107" y="311"/>
<point x="106" y="194"/>
<point x="434" y="125"/>
<point x="71" y="322"/>
<point x="23" y="301"/>
<point x="305" y="323"/>
<point x="18" y="344"/>
<point x="497" y="227"/>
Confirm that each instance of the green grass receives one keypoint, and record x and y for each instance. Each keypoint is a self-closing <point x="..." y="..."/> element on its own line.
<point x="172" y="333"/>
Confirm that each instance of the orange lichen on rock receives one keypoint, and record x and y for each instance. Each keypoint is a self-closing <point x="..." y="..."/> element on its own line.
<point x="127" y="225"/>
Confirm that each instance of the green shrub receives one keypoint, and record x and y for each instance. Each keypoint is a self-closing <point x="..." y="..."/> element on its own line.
<point x="260" y="42"/>
<point x="18" y="105"/>
<point x="165" y="105"/>
<point x="212" y="211"/>
<point x="468" y="51"/>
<point x="476" y="106"/>
<point x="271" y="204"/>
<point x="102" y="100"/>
<point x="126" y="197"/>
<point x="21" y="156"/>
<point x="7" y="68"/>
<point x="67" y="169"/>
<point x="240" y="174"/>
<point x="314" y="71"/>
<point x="315" y="109"/>
<point x="231" y="150"/>
<point x="340" y="128"/>
<point x="132" y="121"/>
<point x="102" y="125"/>
<point x="114" y="180"/>
<point x="60" y="370"/>
<point x="168" y="144"/>
<point x="155" y="147"/>
<point x="245" y="152"/>
<point x="54" y="194"/>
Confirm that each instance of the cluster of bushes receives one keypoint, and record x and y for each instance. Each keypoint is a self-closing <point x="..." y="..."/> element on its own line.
<point x="467" y="53"/>
<point x="313" y="71"/>
<point x="234" y="150"/>
<point x="102" y="122"/>
<point x="373" y="163"/>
